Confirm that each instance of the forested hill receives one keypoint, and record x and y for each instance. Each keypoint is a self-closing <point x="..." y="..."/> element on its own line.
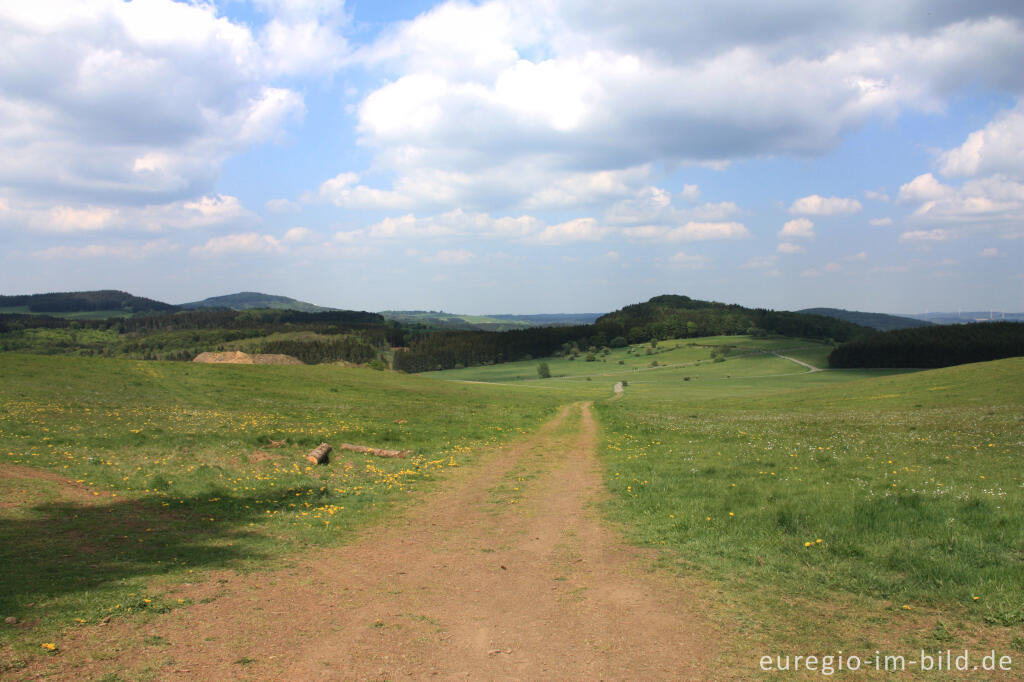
<point x="672" y="316"/>
<point x="107" y="300"/>
<point x="249" y="300"/>
<point x="879" y="321"/>
<point x="933" y="346"/>
<point x="662" y="317"/>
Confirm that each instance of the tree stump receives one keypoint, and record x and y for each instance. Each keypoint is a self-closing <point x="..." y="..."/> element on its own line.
<point x="378" y="452"/>
<point x="319" y="454"/>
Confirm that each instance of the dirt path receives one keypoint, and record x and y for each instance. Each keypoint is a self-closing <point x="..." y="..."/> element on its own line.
<point x="810" y="367"/>
<point x="505" y="573"/>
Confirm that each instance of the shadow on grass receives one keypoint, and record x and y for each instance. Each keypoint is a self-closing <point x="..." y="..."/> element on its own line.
<point x="63" y="548"/>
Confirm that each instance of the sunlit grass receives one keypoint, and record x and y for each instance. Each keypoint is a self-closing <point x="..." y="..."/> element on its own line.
<point x="173" y="468"/>
<point x="904" y="488"/>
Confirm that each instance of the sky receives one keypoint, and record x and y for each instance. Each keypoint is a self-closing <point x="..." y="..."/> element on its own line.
<point x="517" y="156"/>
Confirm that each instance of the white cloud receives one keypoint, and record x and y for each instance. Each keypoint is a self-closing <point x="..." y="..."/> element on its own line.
<point x="786" y="247"/>
<point x="653" y="205"/>
<point x="828" y="268"/>
<point x="302" y="47"/>
<point x="609" y="257"/>
<point x="450" y="257"/>
<point x="989" y="252"/>
<point x="861" y="256"/>
<point x="797" y="228"/>
<point x="578" y="230"/>
<point x="127" y="103"/>
<point x="567" y="89"/>
<point x="759" y="262"/>
<point x="298" y="234"/>
<point x="925" y="188"/>
<point x="924" y="236"/>
<point x="205" y="212"/>
<point x="283" y="206"/>
<point x="819" y="205"/>
<point x="116" y="250"/>
<point x="691" y="192"/>
<point x="580" y="189"/>
<point x="241" y="243"/>
<point x="691" y="231"/>
<point x="996" y="148"/>
<point x="68" y="219"/>
<point x="881" y="222"/>
<point x="713" y="211"/>
<point x="995" y="204"/>
<point x="688" y="261"/>
<point x="877" y="195"/>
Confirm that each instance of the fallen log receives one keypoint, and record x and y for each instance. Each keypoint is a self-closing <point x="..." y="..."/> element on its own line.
<point x="400" y="454"/>
<point x="319" y="454"/>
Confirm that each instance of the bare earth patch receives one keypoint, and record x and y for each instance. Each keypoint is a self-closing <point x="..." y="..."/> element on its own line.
<point x="237" y="357"/>
<point x="506" y="573"/>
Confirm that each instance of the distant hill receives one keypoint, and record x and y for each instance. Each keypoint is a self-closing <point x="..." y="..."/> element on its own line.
<point x="248" y="300"/>
<point x="672" y="316"/>
<point x="879" y="321"/>
<point x="84" y="304"/>
<point x="968" y="316"/>
<point x="552" y="319"/>
<point x="492" y="323"/>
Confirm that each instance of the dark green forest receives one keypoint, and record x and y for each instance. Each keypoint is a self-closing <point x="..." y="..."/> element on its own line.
<point x="85" y="301"/>
<point x="933" y="346"/>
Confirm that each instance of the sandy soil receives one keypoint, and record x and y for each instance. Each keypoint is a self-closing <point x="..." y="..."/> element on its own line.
<point x="506" y="572"/>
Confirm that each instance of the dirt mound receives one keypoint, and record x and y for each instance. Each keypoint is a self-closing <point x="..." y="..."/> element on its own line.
<point x="237" y="357"/>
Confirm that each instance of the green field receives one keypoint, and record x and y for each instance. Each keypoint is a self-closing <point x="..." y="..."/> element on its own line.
<point x="175" y="470"/>
<point x="895" y="499"/>
<point x="643" y="362"/>
<point x="901" y="490"/>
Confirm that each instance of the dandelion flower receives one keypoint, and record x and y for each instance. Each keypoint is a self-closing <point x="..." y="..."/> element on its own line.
<point x="49" y="646"/>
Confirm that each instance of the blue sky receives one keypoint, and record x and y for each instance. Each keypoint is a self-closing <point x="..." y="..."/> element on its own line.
<point x="519" y="156"/>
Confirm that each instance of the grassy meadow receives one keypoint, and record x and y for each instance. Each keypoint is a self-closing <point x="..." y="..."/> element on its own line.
<point x="894" y="493"/>
<point x="850" y="508"/>
<point x="120" y="478"/>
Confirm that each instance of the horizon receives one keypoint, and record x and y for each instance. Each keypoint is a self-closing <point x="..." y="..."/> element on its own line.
<point x="442" y="311"/>
<point x="517" y="155"/>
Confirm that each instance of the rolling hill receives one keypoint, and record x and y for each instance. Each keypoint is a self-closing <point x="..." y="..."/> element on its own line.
<point x="879" y="321"/>
<point x="248" y="300"/>
<point x="489" y="323"/>
<point x="83" y="304"/>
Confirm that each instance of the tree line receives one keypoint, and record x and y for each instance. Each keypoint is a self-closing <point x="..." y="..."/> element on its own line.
<point x="931" y="347"/>
<point x="85" y="301"/>
<point x="315" y="351"/>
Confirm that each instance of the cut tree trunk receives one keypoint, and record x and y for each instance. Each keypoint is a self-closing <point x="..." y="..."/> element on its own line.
<point x="400" y="454"/>
<point x="319" y="454"/>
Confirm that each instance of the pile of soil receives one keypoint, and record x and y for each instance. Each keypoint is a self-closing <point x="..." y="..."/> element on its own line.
<point x="236" y="357"/>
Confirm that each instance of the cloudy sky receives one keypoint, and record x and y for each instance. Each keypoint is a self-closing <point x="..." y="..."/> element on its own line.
<point x="517" y="155"/>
